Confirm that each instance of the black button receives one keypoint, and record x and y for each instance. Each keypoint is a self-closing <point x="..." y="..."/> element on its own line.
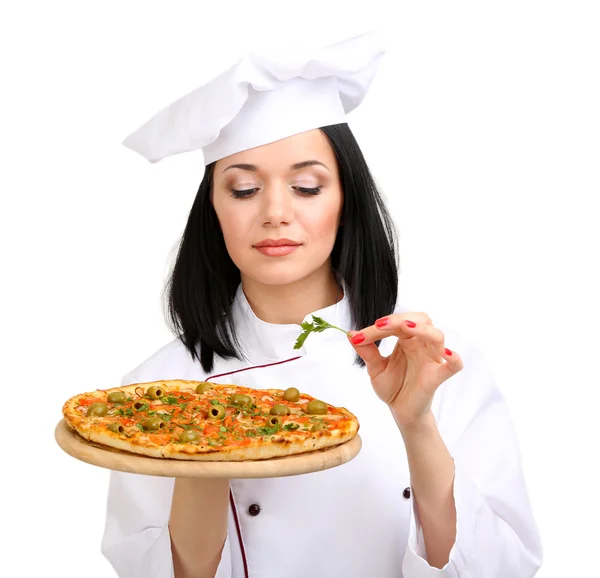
<point x="254" y="510"/>
<point x="406" y="493"/>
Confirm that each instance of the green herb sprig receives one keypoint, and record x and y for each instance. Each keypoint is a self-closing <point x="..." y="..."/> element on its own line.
<point x="317" y="326"/>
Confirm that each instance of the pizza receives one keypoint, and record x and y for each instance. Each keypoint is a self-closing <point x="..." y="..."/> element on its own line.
<point x="195" y="420"/>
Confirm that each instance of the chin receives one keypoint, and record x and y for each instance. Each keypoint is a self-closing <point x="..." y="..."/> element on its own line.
<point x="277" y="277"/>
<point x="279" y="273"/>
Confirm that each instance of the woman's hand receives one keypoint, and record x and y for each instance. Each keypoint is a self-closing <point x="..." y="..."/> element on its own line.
<point x="408" y="379"/>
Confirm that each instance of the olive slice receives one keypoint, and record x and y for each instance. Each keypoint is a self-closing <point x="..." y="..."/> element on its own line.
<point x="189" y="436"/>
<point x="316" y="407"/>
<point x="116" y="397"/>
<point x="291" y="394"/>
<point x="98" y="409"/>
<point x="240" y="399"/>
<point x="216" y="412"/>
<point x="203" y="387"/>
<point x="155" y="392"/>
<point x="116" y="427"/>
<point x="280" y="409"/>
<point x="154" y="423"/>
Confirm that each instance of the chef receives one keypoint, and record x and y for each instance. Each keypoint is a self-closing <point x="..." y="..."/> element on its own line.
<point x="288" y="223"/>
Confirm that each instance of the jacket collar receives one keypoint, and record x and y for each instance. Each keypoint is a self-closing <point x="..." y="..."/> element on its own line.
<point x="266" y="342"/>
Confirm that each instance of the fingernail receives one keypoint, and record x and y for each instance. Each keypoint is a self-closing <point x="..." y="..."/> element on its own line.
<point x="382" y="322"/>
<point x="411" y="324"/>
<point x="358" y="338"/>
<point x="448" y="352"/>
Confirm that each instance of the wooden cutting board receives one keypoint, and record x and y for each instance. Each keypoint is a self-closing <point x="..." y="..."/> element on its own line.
<point x="114" y="459"/>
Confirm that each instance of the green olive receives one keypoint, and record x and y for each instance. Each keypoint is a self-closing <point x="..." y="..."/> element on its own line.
<point x="116" y="427"/>
<point x="137" y="405"/>
<point x="275" y="420"/>
<point x="98" y="409"/>
<point x="318" y="426"/>
<point x="117" y="397"/>
<point x="154" y="423"/>
<point x="316" y="407"/>
<point x="291" y="394"/>
<point x="216" y="412"/>
<point x="280" y="410"/>
<point x="189" y="436"/>
<point x="240" y="399"/>
<point x="155" y="392"/>
<point x="203" y="387"/>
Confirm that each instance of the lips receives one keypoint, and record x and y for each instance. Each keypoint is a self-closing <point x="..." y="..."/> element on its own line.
<point x="276" y="243"/>
<point x="277" y="247"/>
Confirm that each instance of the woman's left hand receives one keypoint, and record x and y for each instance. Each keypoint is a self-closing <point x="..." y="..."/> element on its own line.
<point x="407" y="379"/>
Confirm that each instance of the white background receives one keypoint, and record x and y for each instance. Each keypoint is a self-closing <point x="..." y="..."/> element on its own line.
<point x="483" y="130"/>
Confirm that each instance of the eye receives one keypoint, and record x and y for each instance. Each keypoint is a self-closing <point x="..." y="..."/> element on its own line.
<point x="243" y="193"/>
<point x="309" y="191"/>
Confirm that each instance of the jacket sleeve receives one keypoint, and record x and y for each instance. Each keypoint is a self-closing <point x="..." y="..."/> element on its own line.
<point x="136" y="539"/>
<point x="496" y="535"/>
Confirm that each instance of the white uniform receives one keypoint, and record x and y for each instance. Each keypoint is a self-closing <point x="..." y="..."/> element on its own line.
<point x="356" y="520"/>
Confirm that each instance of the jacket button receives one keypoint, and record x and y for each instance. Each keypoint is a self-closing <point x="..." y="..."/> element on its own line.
<point x="254" y="510"/>
<point x="406" y="493"/>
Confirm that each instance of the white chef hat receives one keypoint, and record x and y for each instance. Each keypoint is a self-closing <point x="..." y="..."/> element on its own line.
<point x="262" y="99"/>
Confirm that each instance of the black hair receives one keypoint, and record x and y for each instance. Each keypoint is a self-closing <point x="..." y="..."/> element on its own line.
<point x="203" y="281"/>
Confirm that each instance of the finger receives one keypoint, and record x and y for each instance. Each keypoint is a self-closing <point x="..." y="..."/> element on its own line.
<point x="369" y="352"/>
<point x="396" y="324"/>
<point x="426" y="336"/>
<point x="453" y="364"/>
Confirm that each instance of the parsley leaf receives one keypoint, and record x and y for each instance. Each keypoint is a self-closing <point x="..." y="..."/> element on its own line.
<point x="317" y="325"/>
<point x="267" y="431"/>
<point x="222" y="429"/>
<point x="251" y="433"/>
<point x="291" y="426"/>
<point x="169" y="399"/>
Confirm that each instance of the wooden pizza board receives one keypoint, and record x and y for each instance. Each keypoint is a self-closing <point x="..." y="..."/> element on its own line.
<point x="114" y="459"/>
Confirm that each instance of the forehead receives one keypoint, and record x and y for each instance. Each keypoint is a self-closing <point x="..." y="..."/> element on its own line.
<point x="280" y="155"/>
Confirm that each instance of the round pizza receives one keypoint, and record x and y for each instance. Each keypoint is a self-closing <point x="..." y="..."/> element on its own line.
<point x="194" y="420"/>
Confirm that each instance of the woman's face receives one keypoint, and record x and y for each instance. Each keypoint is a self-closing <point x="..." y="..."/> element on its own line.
<point x="286" y="194"/>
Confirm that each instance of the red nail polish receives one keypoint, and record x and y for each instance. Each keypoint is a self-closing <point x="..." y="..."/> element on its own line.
<point x="358" y="338"/>
<point x="382" y="322"/>
<point x="411" y="324"/>
<point x="448" y="352"/>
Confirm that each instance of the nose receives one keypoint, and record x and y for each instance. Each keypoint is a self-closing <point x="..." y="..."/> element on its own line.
<point x="277" y="206"/>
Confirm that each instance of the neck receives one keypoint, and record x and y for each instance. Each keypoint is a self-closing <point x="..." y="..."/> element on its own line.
<point x="291" y="303"/>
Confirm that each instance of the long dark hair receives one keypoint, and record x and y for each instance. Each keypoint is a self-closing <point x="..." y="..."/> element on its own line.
<point x="204" y="279"/>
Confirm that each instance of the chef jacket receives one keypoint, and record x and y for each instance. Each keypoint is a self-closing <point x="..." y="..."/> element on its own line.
<point x="357" y="520"/>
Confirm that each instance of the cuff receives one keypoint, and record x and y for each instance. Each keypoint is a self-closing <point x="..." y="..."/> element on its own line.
<point x="467" y="499"/>
<point x="224" y="568"/>
<point x="146" y="553"/>
<point x="156" y="558"/>
<point x="160" y="562"/>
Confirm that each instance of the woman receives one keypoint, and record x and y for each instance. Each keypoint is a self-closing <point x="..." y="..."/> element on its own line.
<point x="288" y="223"/>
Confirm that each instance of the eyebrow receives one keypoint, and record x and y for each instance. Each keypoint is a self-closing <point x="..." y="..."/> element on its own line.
<point x="295" y="167"/>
